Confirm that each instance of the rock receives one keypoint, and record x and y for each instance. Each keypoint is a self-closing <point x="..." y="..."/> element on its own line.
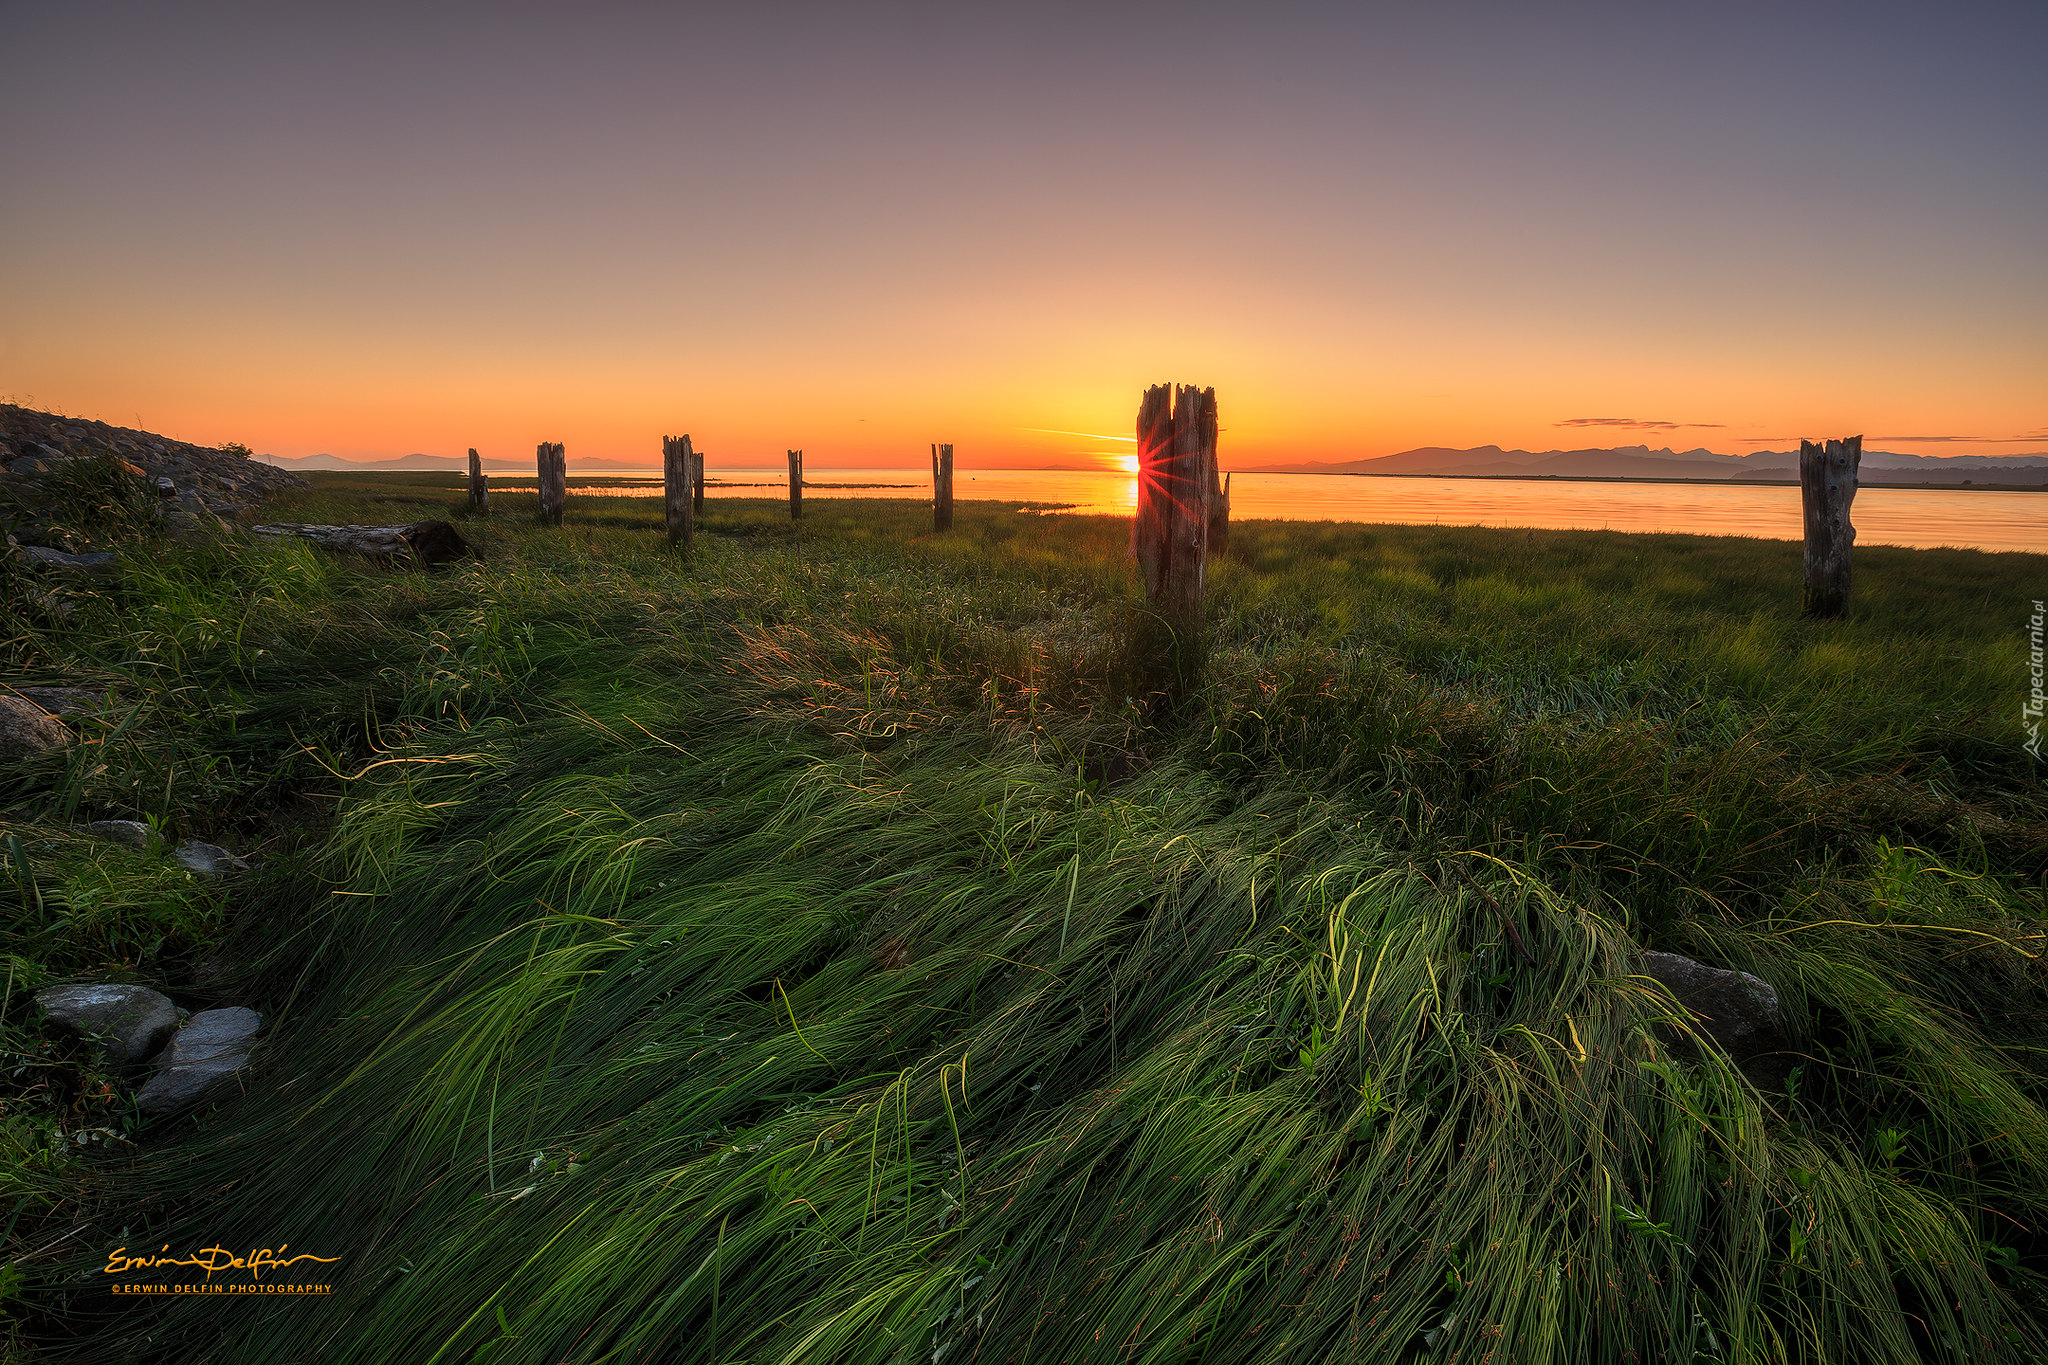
<point x="1737" y="1010"/>
<point x="27" y="729"/>
<point x="133" y="833"/>
<point x="134" y="1021"/>
<point x="208" y="860"/>
<point x="63" y="701"/>
<point x="38" y="444"/>
<point x="101" y="564"/>
<point x="204" y="1056"/>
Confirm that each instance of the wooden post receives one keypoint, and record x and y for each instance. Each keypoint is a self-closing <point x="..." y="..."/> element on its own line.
<point x="697" y="482"/>
<point x="1219" y="510"/>
<point x="1170" y="533"/>
<point x="677" y="463"/>
<point x="1827" y="485"/>
<point x="554" y="481"/>
<point x="479" y="488"/>
<point x="796" y="484"/>
<point x="942" y="487"/>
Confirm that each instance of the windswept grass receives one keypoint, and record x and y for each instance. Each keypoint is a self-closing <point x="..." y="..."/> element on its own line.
<point x="824" y="950"/>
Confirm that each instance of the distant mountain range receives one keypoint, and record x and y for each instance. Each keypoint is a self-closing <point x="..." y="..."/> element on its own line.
<point x="1641" y="462"/>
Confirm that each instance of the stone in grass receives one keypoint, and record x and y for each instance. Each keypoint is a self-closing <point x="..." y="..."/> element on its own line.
<point x="204" y="1057"/>
<point x="64" y="701"/>
<point x="96" y="564"/>
<point x="133" y="833"/>
<point x="1737" y="1010"/>
<point x="208" y="860"/>
<point x="134" y="1020"/>
<point x="27" y="729"/>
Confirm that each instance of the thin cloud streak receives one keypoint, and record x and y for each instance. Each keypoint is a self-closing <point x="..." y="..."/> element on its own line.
<point x="1639" y="423"/>
<point x="1965" y="440"/>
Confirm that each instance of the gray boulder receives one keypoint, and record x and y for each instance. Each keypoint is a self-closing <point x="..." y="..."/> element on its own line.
<point x="64" y="701"/>
<point x="133" y="833"/>
<point x="1737" y="1010"/>
<point x="97" y="564"/>
<point x="27" y="729"/>
<point x="134" y="1021"/>
<point x="204" y="1057"/>
<point x="208" y="860"/>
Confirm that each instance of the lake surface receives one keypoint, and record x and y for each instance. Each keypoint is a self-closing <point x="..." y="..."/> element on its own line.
<point x="1915" y="517"/>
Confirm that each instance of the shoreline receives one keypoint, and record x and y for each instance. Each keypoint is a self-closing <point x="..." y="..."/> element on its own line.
<point x="654" y="479"/>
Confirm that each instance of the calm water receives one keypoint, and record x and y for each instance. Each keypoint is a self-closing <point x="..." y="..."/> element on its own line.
<point x="1884" y="516"/>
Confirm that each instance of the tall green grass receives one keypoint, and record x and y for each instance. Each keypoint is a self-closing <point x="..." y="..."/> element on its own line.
<point x="823" y="949"/>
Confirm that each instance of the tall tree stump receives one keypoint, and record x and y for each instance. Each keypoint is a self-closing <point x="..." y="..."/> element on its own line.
<point x="677" y="463"/>
<point x="554" y="481"/>
<point x="796" y="484"/>
<point x="942" y="487"/>
<point x="1170" y="532"/>
<point x="479" y="488"/>
<point x="697" y="482"/>
<point x="1827" y="485"/>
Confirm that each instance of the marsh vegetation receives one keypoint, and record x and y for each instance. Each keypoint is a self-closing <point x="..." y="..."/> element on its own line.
<point x="832" y="948"/>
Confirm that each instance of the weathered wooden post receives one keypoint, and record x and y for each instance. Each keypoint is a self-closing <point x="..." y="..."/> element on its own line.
<point x="796" y="484"/>
<point x="554" y="481"/>
<point x="1827" y="485"/>
<point x="677" y="462"/>
<point x="942" y="487"/>
<point x="1219" y="510"/>
<point x="697" y="482"/>
<point x="479" y="488"/>
<point x="1170" y="533"/>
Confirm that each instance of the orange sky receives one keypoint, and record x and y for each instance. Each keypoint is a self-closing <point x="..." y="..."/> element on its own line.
<point x="861" y="234"/>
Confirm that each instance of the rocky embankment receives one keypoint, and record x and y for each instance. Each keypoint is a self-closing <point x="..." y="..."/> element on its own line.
<point x="196" y="480"/>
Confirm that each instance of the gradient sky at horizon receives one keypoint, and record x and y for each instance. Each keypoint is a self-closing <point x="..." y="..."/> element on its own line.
<point x="856" y="230"/>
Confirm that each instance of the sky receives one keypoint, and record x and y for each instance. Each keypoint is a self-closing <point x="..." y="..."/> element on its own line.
<point x="857" y="229"/>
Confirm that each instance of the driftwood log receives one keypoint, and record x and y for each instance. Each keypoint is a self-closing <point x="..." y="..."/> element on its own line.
<point x="678" y="462"/>
<point x="479" y="487"/>
<point x="554" y="481"/>
<point x="1170" y="532"/>
<point x="942" y="487"/>
<point x="1827" y="485"/>
<point x="796" y="484"/>
<point x="425" y="543"/>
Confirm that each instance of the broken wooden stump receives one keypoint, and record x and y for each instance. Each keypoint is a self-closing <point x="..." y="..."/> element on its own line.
<point x="697" y="482"/>
<point x="425" y="543"/>
<point x="554" y="481"/>
<point x="1170" y="531"/>
<point x="479" y="488"/>
<point x="1827" y="485"/>
<point x="942" y="487"/>
<point x="796" y="484"/>
<point x="677" y="464"/>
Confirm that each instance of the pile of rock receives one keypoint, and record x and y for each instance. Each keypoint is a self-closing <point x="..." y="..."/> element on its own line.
<point x="206" y="1051"/>
<point x="198" y="480"/>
